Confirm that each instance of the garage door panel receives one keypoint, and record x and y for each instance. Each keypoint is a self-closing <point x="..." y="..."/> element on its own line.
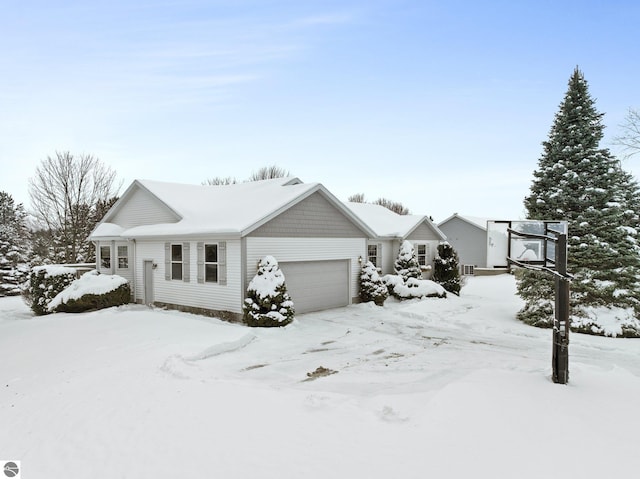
<point x="317" y="285"/>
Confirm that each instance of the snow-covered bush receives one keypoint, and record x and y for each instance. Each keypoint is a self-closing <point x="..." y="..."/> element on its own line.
<point x="92" y="291"/>
<point x="406" y="264"/>
<point x="45" y="282"/>
<point x="447" y="269"/>
<point x="413" y="288"/>
<point x="268" y="304"/>
<point x="372" y="288"/>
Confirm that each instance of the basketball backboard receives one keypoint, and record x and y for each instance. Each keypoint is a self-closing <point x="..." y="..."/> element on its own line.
<point x="536" y="251"/>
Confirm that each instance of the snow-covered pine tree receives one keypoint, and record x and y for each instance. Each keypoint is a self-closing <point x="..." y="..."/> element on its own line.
<point x="446" y="269"/>
<point x="268" y="304"/>
<point x="406" y="264"/>
<point x="372" y="288"/>
<point x="14" y="245"/>
<point x="580" y="182"/>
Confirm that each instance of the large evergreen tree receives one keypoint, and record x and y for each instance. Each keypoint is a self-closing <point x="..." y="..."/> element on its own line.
<point x="14" y="245"/>
<point x="582" y="183"/>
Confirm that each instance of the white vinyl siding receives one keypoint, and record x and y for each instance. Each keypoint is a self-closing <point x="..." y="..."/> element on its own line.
<point x="307" y="249"/>
<point x="142" y="208"/>
<point x="215" y="296"/>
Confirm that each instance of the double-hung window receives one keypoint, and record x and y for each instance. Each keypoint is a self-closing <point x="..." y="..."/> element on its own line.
<point x="123" y="257"/>
<point x="176" y="261"/>
<point x="372" y="254"/>
<point x="211" y="263"/>
<point x="105" y="256"/>
<point x="421" y="254"/>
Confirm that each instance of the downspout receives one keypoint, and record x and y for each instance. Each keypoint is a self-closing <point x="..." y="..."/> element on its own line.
<point x="135" y="257"/>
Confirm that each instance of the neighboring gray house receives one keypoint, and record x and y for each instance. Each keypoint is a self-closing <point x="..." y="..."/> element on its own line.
<point x="468" y="236"/>
<point x="197" y="247"/>
<point x="391" y="229"/>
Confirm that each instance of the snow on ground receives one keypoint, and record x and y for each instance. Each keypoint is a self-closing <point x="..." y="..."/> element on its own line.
<point x="442" y="388"/>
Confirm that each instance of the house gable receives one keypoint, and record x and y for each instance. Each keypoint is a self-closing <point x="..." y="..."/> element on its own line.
<point x="312" y="217"/>
<point x="423" y="232"/>
<point x="140" y="208"/>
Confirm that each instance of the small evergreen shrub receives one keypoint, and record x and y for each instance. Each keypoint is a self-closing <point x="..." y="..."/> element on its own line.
<point x="45" y="283"/>
<point x="90" y="292"/>
<point x="268" y="304"/>
<point x="372" y="288"/>
<point x="413" y="288"/>
<point x="447" y="269"/>
<point x="406" y="264"/>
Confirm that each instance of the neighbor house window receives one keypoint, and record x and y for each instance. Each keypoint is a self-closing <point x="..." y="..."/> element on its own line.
<point x="176" y="261"/>
<point x="421" y="254"/>
<point x="105" y="256"/>
<point x="372" y="253"/>
<point x="468" y="269"/>
<point x="123" y="257"/>
<point x="211" y="263"/>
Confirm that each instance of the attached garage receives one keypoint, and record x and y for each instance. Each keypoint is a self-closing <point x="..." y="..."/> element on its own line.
<point x="317" y="285"/>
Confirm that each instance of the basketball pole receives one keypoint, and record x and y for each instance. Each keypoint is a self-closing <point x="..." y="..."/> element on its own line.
<point x="560" y="359"/>
<point x="561" y="321"/>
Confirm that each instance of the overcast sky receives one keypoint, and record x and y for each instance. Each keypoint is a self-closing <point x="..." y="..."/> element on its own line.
<point x="441" y="105"/>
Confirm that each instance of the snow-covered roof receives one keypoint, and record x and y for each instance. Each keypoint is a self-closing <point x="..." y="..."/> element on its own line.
<point x="387" y="224"/>
<point x="221" y="209"/>
<point x="474" y="220"/>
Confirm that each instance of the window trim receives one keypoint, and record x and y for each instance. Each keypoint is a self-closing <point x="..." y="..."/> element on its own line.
<point x="375" y="256"/>
<point x="468" y="269"/>
<point x="425" y="254"/>
<point x="172" y="261"/>
<point x="103" y="257"/>
<point x="124" y="257"/>
<point x="216" y="263"/>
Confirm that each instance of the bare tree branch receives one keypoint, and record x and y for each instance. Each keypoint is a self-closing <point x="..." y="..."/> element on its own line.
<point x="357" y="198"/>
<point x="220" y="181"/>
<point x="629" y="140"/>
<point x="268" y="172"/>
<point x="65" y="192"/>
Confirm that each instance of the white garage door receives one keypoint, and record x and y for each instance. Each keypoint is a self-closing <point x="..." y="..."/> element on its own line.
<point x="317" y="285"/>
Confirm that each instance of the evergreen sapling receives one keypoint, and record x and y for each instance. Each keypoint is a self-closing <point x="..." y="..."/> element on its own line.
<point x="268" y="304"/>
<point x="446" y="268"/>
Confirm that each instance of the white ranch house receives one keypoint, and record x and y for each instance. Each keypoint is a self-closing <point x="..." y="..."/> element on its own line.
<point x="196" y="247"/>
<point x="391" y="229"/>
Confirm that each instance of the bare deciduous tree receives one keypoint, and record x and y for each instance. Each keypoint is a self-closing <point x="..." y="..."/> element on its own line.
<point x="220" y="181"/>
<point x="394" y="206"/>
<point x="629" y="140"/>
<point x="268" y="172"/>
<point x="357" y="198"/>
<point x="65" y="193"/>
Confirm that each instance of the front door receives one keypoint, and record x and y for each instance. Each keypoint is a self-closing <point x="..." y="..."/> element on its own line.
<point x="148" y="282"/>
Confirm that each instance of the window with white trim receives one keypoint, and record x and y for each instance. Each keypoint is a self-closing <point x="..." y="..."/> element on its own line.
<point x="211" y="263"/>
<point x="372" y="253"/>
<point x="468" y="269"/>
<point x="123" y="257"/>
<point x="421" y="254"/>
<point x="105" y="256"/>
<point x="176" y="261"/>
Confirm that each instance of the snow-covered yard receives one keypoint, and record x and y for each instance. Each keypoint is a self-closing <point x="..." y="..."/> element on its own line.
<point x="443" y="388"/>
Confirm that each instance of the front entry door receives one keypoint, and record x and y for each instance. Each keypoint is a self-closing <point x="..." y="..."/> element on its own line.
<point x="148" y="282"/>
